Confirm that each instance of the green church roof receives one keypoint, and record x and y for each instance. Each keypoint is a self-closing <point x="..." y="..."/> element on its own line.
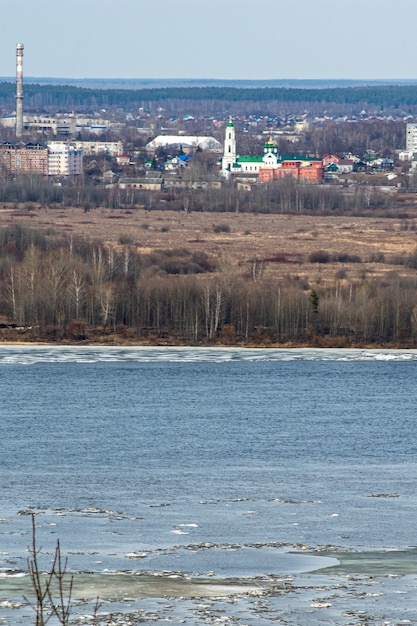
<point x="249" y="159"/>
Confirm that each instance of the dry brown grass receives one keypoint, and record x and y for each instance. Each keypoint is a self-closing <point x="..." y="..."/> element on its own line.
<point x="283" y="242"/>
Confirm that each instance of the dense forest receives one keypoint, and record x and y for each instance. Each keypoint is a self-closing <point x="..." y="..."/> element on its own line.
<point x="212" y="100"/>
<point x="58" y="289"/>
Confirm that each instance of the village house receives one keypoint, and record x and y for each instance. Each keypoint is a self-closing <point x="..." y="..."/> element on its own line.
<point x="177" y="162"/>
<point x="123" y="159"/>
<point x="152" y="181"/>
<point x="337" y="165"/>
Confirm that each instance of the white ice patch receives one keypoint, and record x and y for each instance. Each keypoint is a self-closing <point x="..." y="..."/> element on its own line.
<point x="27" y="355"/>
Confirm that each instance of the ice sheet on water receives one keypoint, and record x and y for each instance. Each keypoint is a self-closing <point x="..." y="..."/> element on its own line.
<point x="27" y="355"/>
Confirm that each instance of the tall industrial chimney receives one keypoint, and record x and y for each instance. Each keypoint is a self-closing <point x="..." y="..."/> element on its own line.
<point x="19" y="90"/>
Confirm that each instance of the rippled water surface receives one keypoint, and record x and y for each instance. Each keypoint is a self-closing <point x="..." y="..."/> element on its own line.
<point x="186" y="468"/>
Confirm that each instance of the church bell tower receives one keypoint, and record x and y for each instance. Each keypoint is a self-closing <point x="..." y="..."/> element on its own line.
<point x="229" y="154"/>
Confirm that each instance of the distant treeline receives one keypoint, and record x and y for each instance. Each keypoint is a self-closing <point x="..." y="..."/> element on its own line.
<point x="205" y="100"/>
<point x="282" y="196"/>
<point x="75" y="290"/>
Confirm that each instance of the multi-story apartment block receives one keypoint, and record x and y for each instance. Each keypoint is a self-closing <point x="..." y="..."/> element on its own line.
<point x="411" y="138"/>
<point x="91" y="148"/>
<point x="30" y="157"/>
<point x="64" y="159"/>
<point x="53" y="159"/>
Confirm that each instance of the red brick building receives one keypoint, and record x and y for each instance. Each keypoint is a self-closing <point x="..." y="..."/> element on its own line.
<point x="304" y="169"/>
<point x="30" y="157"/>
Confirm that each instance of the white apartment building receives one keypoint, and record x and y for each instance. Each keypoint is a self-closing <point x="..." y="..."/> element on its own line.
<point x="411" y="138"/>
<point x="90" y="148"/>
<point x="64" y="159"/>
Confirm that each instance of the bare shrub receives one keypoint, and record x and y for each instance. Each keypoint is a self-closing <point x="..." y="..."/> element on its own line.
<point x="125" y="239"/>
<point x="319" y="256"/>
<point x="221" y="228"/>
<point x="46" y="585"/>
<point x="377" y="257"/>
<point x="203" y="260"/>
<point x="344" y="257"/>
<point x="399" y="259"/>
<point x="76" y="330"/>
<point x="412" y="260"/>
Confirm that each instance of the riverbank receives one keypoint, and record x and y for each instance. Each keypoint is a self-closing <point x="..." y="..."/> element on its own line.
<point x="23" y="338"/>
<point x="214" y="291"/>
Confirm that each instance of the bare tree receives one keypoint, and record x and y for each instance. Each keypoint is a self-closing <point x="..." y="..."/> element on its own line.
<point x="45" y="605"/>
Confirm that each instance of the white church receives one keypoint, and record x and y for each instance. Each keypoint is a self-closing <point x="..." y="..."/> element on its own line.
<point x="271" y="165"/>
<point x="233" y="164"/>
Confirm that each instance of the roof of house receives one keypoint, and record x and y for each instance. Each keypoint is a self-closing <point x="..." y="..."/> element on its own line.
<point x="298" y="157"/>
<point x="145" y="180"/>
<point x="249" y="159"/>
<point x="333" y="167"/>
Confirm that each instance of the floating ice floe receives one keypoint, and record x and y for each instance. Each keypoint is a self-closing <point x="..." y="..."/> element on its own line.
<point x="136" y="555"/>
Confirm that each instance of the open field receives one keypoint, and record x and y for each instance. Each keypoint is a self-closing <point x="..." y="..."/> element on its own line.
<point x="277" y="246"/>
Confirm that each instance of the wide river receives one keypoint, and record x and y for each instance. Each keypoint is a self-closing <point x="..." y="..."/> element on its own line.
<point x="201" y="486"/>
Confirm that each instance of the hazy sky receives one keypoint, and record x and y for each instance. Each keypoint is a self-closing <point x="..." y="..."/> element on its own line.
<point x="239" y="39"/>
